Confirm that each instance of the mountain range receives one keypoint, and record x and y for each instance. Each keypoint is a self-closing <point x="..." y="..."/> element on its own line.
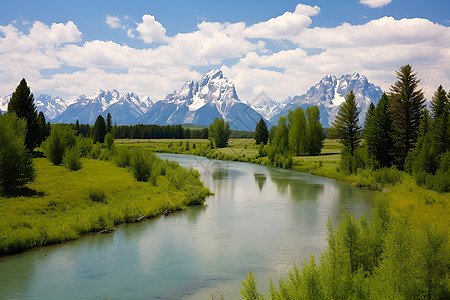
<point x="200" y="102"/>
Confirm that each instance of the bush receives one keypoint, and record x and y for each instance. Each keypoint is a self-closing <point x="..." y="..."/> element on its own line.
<point x="141" y="164"/>
<point x="16" y="167"/>
<point x="97" y="195"/>
<point x="72" y="159"/>
<point x="61" y="138"/>
<point x="123" y="157"/>
<point x="96" y="150"/>
<point x="84" y="145"/>
<point x="109" y="141"/>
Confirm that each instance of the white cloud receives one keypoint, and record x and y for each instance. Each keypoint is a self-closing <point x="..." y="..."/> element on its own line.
<point x="151" y="31"/>
<point x="113" y="22"/>
<point x="375" y="3"/>
<point x="285" y="26"/>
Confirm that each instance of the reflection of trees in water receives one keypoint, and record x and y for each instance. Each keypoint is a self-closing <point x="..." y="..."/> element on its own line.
<point x="281" y="183"/>
<point x="260" y="180"/>
<point x="220" y="173"/>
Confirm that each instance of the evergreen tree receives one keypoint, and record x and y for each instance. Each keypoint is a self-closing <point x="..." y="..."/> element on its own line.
<point x="346" y="124"/>
<point x="297" y="131"/>
<point x="22" y="104"/>
<point x="219" y="132"/>
<point x="99" y="130"/>
<point x="77" y="127"/>
<point x="16" y="167"/>
<point x="108" y="123"/>
<point x="314" y="131"/>
<point x="261" y="133"/>
<point x="406" y="105"/>
<point x="378" y="133"/>
<point x="440" y="109"/>
<point x="369" y="115"/>
<point x="42" y="127"/>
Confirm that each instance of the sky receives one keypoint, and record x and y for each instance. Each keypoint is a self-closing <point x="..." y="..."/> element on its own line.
<point x="281" y="48"/>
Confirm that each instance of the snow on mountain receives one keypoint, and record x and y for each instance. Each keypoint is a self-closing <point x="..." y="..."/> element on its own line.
<point x="201" y="102"/>
<point x="266" y="107"/>
<point x="51" y="107"/>
<point x="4" y="103"/>
<point x="329" y="94"/>
<point x="124" y="109"/>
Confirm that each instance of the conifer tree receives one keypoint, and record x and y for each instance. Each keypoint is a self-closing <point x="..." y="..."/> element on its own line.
<point x="440" y="109"/>
<point x="346" y="124"/>
<point x="108" y="123"/>
<point x="42" y="127"/>
<point x="261" y="133"/>
<point x="99" y="130"/>
<point x="378" y="133"/>
<point x="406" y="106"/>
<point x="297" y="132"/>
<point x="22" y="104"/>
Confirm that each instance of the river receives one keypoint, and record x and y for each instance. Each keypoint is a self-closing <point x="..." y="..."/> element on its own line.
<point x="261" y="219"/>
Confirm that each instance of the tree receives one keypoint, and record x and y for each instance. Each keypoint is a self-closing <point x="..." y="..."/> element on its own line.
<point x="99" y="130"/>
<point x="369" y="115"/>
<point x="108" y="123"/>
<point x="281" y="136"/>
<point x="261" y="133"/>
<point x="109" y="141"/>
<point x="378" y="133"/>
<point x="22" y="104"/>
<point x="62" y="137"/>
<point x="42" y="127"/>
<point x="16" y="167"/>
<point x="297" y="131"/>
<point x="77" y="127"/>
<point x="440" y="110"/>
<point x="346" y="124"/>
<point x="219" y="132"/>
<point x="314" y="131"/>
<point x="406" y="106"/>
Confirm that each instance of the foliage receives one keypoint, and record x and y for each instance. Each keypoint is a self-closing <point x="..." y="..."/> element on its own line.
<point x="22" y="104"/>
<point x="261" y="134"/>
<point x="406" y="105"/>
<point x="97" y="195"/>
<point x="99" y="130"/>
<point x="109" y="141"/>
<point x="62" y="137"/>
<point x="16" y="167"/>
<point x="346" y="124"/>
<point x="314" y="131"/>
<point x="280" y="141"/>
<point x="108" y="123"/>
<point x="72" y="159"/>
<point x="297" y="132"/>
<point x="141" y="164"/>
<point x="250" y="291"/>
<point x="123" y="157"/>
<point x="219" y="132"/>
<point x="440" y="109"/>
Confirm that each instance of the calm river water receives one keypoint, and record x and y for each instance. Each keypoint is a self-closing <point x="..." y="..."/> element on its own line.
<point x="261" y="219"/>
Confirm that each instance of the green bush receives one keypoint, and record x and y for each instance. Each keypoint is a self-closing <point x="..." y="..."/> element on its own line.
<point x="123" y="157"/>
<point x="85" y="146"/>
<point x="141" y="164"/>
<point x="72" y="159"/>
<point x="96" y="150"/>
<point x="97" y="195"/>
<point x="61" y="137"/>
<point x="109" y="141"/>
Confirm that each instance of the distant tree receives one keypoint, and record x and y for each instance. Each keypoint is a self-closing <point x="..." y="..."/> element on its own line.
<point x="16" y="167"/>
<point x="219" y="132"/>
<point x="314" y="131"/>
<point x="378" y="133"/>
<point x="346" y="124"/>
<point x="77" y="127"/>
<point x="297" y="131"/>
<point x="108" y="123"/>
<point x="440" y="110"/>
<point x="22" y="104"/>
<point x="261" y="133"/>
<point x="281" y="136"/>
<point x="99" y="130"/>
<point x="42" y="127"/>
<point x="406" y="105"/>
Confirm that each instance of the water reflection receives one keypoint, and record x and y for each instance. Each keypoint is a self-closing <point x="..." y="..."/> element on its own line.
<point x="260" y="180"/>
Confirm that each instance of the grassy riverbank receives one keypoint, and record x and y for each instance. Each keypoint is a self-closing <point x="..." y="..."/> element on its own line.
<point x="59" y="205"/>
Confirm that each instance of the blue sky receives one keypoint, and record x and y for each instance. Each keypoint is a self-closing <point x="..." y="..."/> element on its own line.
<point x="67" y="48"/>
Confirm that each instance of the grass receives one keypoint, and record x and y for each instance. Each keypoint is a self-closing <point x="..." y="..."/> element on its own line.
<point x="59" y="206"/>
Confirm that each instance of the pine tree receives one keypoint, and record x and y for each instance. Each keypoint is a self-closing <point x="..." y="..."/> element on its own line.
<point x="297" y="132"/>
<point x="108" y="123"/>
<point x="261" y="133"/>
<point x="406" y="106"/>
<point x="99" y="130"/>
<point x="42" y="127"/>
<point x="346" y="124"/>
<point x="22" y="104"/>
<point x="77" y="127"/>
<point x="369" y="115"/>
<point x="440" y="109"/>
<point x="378" y="133"/>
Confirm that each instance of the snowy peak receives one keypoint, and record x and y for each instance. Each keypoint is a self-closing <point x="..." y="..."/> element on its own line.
<point x="266" y="106"/>
<point x="4" y="103"/>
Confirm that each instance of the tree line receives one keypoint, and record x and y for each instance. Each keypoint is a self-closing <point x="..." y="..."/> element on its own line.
<point x="399" y="132"/>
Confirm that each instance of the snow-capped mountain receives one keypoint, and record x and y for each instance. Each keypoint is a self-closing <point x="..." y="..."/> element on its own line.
<point x="4" y="103"/>
<point x="266" y="107"/>
<point x="125" y="109"/>
<point x="201" y="102"/>
<point x="329" y="94"/>
<point x="51" y="107"/>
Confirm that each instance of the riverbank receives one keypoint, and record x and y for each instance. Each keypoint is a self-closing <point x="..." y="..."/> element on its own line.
<point x="61" y="205"/>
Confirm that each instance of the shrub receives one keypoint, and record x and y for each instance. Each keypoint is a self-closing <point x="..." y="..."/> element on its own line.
<point x="97" y="195"/>
<point x="109" y="141"/>
<point x="72" y="159"/>
<point x="123" y="157"/>
<point x="96" y="150"/>
<point x="141" y="164"/>
<point x="61" y="138"/>
<point x="84" y="145"/>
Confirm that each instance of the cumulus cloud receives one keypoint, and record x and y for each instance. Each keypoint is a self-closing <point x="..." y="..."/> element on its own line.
<point x="151" y="31"/>
<point x="375" y="3"/>
<point x="113" y="22"/>
<point x="285" y="26"/>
